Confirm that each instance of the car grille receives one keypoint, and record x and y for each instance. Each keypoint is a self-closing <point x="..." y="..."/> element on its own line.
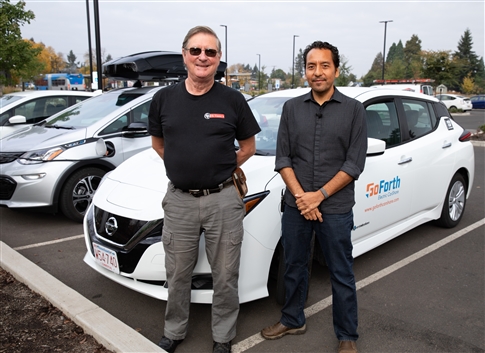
<point x="129" y="240"/>
<point x="7" y="187"/>
<point x="8" y="157"/>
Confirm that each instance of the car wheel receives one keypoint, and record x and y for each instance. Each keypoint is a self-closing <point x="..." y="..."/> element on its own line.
<point x="455" y="202"/>
<point x="280" y="280"/>
<point x="78" y="191"/>
<point x="453" y="107"/>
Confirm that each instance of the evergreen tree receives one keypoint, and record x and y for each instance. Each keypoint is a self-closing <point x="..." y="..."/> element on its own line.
<point x="344" y="72"/>
<point x="468" y="61"/>
<point x="412" y="58"/>
<point x="71" y="62"/>
<point x="375" y="72"/>
<point x="396" y="52"/>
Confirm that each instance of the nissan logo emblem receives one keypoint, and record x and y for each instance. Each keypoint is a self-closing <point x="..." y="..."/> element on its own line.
<point x="111" y="226"/>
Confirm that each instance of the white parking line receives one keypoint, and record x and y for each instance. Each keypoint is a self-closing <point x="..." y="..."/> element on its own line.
<point x="48" y="242"/>
<point x="325" y="303"/>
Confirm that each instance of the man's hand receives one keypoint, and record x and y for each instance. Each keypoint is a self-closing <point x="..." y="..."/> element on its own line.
<point x="307" y="204"/>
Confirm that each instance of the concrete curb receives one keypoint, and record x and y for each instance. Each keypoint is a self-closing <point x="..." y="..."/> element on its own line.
<point x="105" y="328"/>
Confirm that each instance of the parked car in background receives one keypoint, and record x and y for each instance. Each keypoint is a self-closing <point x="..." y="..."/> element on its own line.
<point x="19" y="109"/>
<point x="478" y="102"/>
<point x="44" y="165"/>
<point x="419" y="167"/>
<point x="453" y="101"/>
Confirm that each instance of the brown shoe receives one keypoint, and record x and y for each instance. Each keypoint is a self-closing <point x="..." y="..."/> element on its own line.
<point x="278" y="330"/>
<point x="347" y="347"/>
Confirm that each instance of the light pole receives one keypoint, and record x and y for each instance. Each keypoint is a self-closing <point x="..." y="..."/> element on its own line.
<point x="293" y="66"/>
<point x="384" y="50"/>
<point x="90" y="48"/>
<point x="259" y="72"/>
<point x="225" y="38"/>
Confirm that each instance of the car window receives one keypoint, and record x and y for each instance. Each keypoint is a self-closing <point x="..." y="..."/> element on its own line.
<point x="267" y="111"/>
<point x="420" y="117"/>
<point x="382" y="122"/>
<point x="140" y="113"/>
<point x="90" y="111"/>
<point x="116" y="126"/>
<point x="9" y="99"/>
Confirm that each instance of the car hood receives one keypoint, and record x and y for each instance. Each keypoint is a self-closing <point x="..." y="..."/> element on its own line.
<point x="135" y="189"/>
<point x="37" y="137"/>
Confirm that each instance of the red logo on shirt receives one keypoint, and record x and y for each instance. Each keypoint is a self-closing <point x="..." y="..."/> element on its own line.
<point x="213" y="116"/>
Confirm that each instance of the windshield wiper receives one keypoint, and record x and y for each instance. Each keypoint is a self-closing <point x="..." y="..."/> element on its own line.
<point x="55" y="126"/>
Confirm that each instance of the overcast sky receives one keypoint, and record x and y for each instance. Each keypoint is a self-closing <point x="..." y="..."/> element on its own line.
<point x="258" y="27"/>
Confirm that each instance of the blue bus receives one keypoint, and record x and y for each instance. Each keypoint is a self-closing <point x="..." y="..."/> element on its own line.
<point x="61" y="81"/>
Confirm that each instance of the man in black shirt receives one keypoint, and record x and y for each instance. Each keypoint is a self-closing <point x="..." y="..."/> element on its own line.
<point x="320" y="152"/>
<point x="194" y="125"/>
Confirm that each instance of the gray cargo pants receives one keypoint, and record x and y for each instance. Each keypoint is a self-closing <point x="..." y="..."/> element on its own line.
<point x="221" y="215"/>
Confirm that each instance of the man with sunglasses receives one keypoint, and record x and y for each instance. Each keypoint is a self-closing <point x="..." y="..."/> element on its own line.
<point x="194" y="125"/>
<point x="320" y="172"/>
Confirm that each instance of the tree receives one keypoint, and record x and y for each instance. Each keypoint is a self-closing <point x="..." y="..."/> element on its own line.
<point x="375" y="71"/>
<point x="299" y="65"/>
<point x="412" y="57"/>
<point x="440" y="66"/>
<point x="396" y="52"/>
<point x="71" y="62"/>
<point x="344" y="72"/>
<point x="16" y="54"/>
<point x="467" y="59"/>
<point x="278" y="73"/>
<point x="468" y="86"/>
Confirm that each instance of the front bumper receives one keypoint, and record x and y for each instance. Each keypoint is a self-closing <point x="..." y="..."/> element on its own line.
<point x="30" y="185"/>
<point x="140" y="255"/>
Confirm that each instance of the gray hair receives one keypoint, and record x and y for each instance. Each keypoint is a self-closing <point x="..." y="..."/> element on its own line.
<point x="200" y="29"/>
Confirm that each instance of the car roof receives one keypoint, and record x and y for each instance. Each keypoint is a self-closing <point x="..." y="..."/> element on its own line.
<point x="45" y="93"/>
<point x="353" y="92"/>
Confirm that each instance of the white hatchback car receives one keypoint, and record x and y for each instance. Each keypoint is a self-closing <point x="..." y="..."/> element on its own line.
<point x="420" y="166"/>
<point x="454" y="101"/>
<point x="20" y="109"/>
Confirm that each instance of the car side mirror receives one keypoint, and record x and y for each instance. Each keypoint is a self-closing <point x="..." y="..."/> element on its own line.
<point x="136" y="128"/>
<point x="375" y="147"/>
<point x="17" y="119"/>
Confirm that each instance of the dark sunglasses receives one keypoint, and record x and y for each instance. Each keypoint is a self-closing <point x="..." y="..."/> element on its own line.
<point x="197" y="51"/>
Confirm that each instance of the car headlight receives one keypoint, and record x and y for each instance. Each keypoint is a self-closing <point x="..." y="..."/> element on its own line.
<point x="40" y="156"/>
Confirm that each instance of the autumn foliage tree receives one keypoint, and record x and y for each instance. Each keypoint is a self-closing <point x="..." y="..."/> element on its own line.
<point x="16" y="55"/>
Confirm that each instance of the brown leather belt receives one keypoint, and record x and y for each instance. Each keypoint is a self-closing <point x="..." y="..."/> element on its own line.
<point x="204" y="192"/>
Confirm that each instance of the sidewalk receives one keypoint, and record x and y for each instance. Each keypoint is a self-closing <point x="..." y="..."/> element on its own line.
<point x="105" y="328"/>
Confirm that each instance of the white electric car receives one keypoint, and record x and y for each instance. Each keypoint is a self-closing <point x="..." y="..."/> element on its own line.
<point x="419" y="168"/>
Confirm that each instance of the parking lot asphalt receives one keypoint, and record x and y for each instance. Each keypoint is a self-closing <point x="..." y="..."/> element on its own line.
<point x="385" y="302"/>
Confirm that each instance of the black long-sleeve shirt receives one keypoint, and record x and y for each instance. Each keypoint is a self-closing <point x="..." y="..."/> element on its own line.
<point x="319" y="141"/>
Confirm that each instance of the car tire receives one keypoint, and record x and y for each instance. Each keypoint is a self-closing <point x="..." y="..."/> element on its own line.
<point x="280" y="280"/>
<point x="78" y="191"/>
<point x="454" y="203"/>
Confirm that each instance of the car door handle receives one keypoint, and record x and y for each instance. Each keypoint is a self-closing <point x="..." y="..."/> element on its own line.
<point x="446" y="145"/>
<point x="405" y="160"/>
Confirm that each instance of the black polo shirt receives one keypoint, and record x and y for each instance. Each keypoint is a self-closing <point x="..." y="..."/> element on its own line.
<point x="199" y="133"/>
<point x="319" y="141"/>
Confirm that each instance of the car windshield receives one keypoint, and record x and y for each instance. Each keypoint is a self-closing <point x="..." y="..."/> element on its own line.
<point x="267" y="111"/>
<point x="92" y="110"/>
<point x="9" y="99"/>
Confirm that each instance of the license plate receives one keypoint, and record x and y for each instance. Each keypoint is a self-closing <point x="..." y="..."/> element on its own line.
<point x="106" y="258"/>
